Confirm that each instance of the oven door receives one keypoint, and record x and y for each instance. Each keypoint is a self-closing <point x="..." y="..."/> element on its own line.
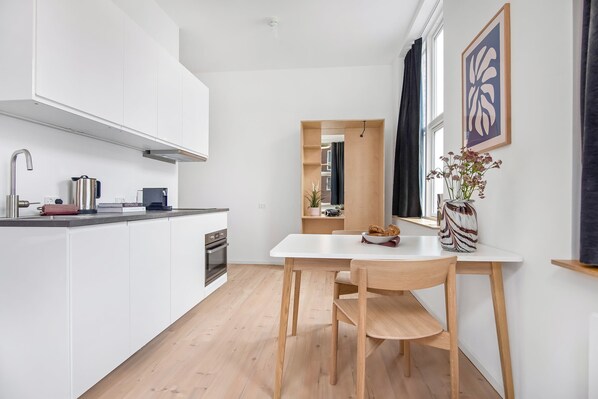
<point x="215" y="260"/>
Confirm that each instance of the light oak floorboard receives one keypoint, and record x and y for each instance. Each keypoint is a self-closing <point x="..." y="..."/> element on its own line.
<point x="225" y="347"/>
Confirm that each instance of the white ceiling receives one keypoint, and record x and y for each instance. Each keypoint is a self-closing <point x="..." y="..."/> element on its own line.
<point x="229" y="35"/>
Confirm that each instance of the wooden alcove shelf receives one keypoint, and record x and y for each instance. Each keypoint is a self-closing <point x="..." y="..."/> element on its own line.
<point x="363" y="172"/>
<point x="576" y="266"/>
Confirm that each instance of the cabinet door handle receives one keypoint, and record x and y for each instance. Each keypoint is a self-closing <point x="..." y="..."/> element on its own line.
<point x="220" y="248"/>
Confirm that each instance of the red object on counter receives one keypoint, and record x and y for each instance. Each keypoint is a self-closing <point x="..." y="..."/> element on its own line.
<point x="59" y="209"/>
<point x="392" y="243"/>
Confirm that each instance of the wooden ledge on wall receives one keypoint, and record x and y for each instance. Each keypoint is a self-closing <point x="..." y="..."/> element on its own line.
<point x="425" y="222"/>
<point x="577" y="266"/>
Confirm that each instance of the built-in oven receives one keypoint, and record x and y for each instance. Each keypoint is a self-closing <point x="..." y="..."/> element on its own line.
<point x="216" y="245"/>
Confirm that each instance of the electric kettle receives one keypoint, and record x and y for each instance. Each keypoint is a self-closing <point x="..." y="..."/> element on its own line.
<point x="84" y="191"/>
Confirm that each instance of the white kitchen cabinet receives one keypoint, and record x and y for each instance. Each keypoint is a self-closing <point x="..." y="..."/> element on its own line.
<point x="150" y="280"/>
<point x="196" y="124"/>
<point x="99" y="267"/>
<point x="79" y="56"/>
<point x="86" y="67"/>
<point x="169" y="99"/>
<point x="188" y="262"/>
<point x="34" y="313"/>
<point x="140" y="80"/>
<point x="75" y="302"/>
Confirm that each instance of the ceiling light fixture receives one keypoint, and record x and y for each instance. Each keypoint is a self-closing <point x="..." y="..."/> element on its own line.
<point x="273" y="24"/>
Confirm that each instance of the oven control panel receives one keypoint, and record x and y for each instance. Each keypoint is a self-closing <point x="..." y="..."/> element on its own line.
<point x="215" y="236"/>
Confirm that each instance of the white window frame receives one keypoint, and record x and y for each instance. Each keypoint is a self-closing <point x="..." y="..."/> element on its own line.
<point x="430" y="126"/>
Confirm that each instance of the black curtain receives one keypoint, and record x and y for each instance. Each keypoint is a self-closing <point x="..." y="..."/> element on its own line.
<point x="589" y="135"/>
<point x="337" y="175"/>
<point x="405" y="193"/>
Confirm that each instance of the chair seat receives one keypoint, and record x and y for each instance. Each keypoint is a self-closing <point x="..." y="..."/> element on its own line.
<point x="398" y="317"/>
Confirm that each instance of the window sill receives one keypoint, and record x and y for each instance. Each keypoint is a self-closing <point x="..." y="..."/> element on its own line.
<point x="425" y="222"/>
<point x="576" y="266"/>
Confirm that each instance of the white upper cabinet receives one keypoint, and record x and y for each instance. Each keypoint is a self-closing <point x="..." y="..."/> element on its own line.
<point x="140" y="80"/>
<point x="79" y="56"/>
<point x="195" y="113"/>
<point x="85" y="66"/>
<point x="169" y="99"/>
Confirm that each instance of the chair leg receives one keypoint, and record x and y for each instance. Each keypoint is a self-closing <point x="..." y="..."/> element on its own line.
<point x="361" y="343"/>
<point x="454" y="363"/>
<point x="334" y="343"/>
<point x="401" y="347"/>
<point x="407" y="351"/>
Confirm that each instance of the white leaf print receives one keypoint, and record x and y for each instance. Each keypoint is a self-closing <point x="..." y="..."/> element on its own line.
<point x="471" y="71"/>
<point x="487" y="106"/>
<point x="481" y="94"/>
<point x="472" y="94"/>
<point x="487" y="89"/>
<point x="473" y="110"/>
<point x="489" y="74"/>
<point x="478" y="121"/>
<point x="478" y="61"/>
<point x="488" y="57"/>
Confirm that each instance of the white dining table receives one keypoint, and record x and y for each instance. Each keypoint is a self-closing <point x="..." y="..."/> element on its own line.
<point x="333" y="253"/>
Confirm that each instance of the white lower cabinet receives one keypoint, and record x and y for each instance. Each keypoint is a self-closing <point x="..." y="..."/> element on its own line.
<point x="188" y="263"/>
<point x="150" y="280"/>
<point x="34" y="313"/>
<point x="188" y="260"/>
<point x="77" y="302"/>
<point x="99" y="302"/>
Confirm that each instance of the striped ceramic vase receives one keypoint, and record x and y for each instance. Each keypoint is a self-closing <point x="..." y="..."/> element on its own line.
<point x="458" y="226"/>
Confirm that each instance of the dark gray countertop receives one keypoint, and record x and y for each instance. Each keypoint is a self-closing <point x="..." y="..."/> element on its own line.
<point x="101" y="218"/>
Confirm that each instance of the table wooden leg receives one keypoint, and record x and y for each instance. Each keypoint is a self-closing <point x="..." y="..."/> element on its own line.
<point x="502" y="331"/>
<point x="296" y="301"/>
<point x="282" y="328"/>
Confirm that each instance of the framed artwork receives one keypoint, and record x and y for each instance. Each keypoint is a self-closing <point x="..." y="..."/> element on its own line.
<point x="486" y="85"/>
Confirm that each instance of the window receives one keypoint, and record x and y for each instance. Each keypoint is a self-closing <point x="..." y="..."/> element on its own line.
<point x="433" y="112"/>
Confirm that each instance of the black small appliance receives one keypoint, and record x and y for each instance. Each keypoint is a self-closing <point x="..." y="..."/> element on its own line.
<point x="156" y="199"/>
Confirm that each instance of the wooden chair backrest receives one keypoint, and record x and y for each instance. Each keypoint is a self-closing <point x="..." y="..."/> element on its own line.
<point x="403" y="275"/>
<point x="348" y="232"/>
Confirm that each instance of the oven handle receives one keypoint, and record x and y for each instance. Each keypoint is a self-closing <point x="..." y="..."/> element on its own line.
<point x="220" y="248"/>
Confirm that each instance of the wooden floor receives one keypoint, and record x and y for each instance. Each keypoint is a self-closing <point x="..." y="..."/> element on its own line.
<point x="225" y="348"/>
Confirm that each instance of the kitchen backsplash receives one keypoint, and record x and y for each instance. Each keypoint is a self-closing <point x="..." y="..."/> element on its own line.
<point x="58" y="156"/>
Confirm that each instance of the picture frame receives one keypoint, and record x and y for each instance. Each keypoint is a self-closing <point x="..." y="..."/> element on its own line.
<point x="486" y="85"/>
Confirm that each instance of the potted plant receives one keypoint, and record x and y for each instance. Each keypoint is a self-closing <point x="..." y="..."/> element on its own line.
<point x="463" y="176"/>
<point x="314" y="199"/>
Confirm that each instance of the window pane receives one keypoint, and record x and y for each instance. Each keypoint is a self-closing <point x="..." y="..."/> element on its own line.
<point x="437" y="153"/>
<point x="439" y="73"/>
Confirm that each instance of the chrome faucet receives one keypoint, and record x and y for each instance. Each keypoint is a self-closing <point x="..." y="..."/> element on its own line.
<point x="12" y="200"/>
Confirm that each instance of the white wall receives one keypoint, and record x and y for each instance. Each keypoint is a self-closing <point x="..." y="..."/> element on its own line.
<point x="254" y="145"/>
<point x="528" y="209"/>
<point x="58" y="155"/>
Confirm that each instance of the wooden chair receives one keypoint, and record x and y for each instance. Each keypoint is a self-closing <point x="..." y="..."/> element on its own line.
<point x="342" y="278"/>
<point x="397" y="317"/>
